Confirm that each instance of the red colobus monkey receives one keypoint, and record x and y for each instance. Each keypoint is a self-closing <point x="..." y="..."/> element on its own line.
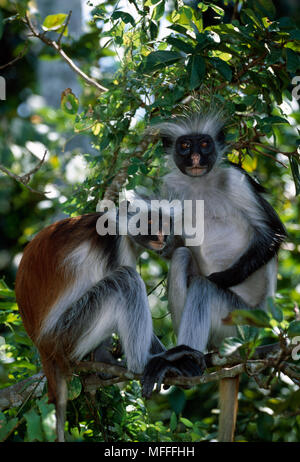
<point x="74" y="288"/>
<point x="235" y="267"/>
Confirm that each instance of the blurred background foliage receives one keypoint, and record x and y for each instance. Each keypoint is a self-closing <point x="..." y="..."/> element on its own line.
<point x="152" y="56"/>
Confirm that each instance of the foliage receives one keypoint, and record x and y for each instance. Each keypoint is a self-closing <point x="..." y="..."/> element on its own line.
<point x="238" y="57"/>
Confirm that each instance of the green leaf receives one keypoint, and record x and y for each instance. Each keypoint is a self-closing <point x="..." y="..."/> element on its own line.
<point x="181" y="45"/>
<point x="5" y="291"/>
<point x="186" y="422"/>
<point x="257" y="318"/>
<point x="294" y="329"/>
<point x="74" y="388"/>
<point x="158" y="59"/>
<point x="177" y="400"/>
<point x="292" y="61"/>
<point x="48" y="419"/>
<point x="178" y="28"/>
<point x="265" y="424"/>
<point x="34" y="426"/>
<point x="196" y="69"/>
<point x="274" y="120"/>
<point x="255" y="19"/>
<point x="132" y="169"/>
<point x="222" y="67"/>
<point x="230" y="345"/>
<point x="295" y="172"/>
<point x="55" y="22"/>
<point x="275" y="310"/>
<point x="6" y="426"/>
<point x="153" y="30"/>
<point x="126" y="17"/>
<point x="69" y="102"/>
<point x="173" y="422"/>
<point x="265" y="8"/>
<point x="158" y="11"/>
<point x="21" y="7"/>
<point x="217" y="9"/>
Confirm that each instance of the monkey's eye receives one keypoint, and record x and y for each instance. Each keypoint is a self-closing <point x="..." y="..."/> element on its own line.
<point x="185" y="145"/>
<point x="204" y="144"/>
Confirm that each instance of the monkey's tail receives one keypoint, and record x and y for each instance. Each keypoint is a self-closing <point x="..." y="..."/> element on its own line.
<point x="57" y="392"/>
<point x="228" y="402"/>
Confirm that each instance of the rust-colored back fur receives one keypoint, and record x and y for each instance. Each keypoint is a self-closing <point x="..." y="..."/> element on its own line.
<point x="42" y="279"/>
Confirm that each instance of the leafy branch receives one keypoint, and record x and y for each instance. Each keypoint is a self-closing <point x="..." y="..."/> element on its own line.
<point x="274" y="356"/>
<point x="56" y="45"/>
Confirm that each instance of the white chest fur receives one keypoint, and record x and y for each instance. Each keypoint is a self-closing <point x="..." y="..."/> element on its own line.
<point x="227" y="232"/>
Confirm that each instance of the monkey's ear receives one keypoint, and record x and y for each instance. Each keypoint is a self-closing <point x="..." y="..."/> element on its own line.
<point x="166" y="141"/>
<point x="221" y="137"/>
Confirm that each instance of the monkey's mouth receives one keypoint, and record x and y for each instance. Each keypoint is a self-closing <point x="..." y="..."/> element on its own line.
<point x="157" y="245"/>
<point x="196" y="171"/>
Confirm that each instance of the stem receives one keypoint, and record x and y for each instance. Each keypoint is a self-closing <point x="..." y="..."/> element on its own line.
<point x="57" y="47"/>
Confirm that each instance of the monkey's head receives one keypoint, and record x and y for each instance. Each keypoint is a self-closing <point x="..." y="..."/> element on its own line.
<point x="148" y="226"/>
<point x="194" y="143"/>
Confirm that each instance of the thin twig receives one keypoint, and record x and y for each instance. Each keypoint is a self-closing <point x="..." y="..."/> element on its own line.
<point x="24" y="179"/>
<point x="266" y="154"/>
<point x="17" y="58"/>
<point x="57" y="47"/>
<point x="64" y="28"/>
<point x="278" y="151"/>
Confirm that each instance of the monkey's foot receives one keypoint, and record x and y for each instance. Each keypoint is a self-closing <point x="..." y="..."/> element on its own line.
<point x="180" y="360"/>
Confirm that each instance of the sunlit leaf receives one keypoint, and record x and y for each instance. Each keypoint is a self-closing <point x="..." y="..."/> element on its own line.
<point x="55" y="22"/>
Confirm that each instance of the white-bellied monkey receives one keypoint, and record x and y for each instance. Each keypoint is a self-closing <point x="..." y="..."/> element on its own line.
<point x="235" y="267"/>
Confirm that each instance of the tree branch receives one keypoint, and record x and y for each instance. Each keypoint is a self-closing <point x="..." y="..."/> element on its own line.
<point x="57" y="47"/>
<point x="112" y="191"/>
<point x="264" y="357"/>
<point x="15" y="395"/>
<point x="13" y="61"/>
<point x="24" y="179"/>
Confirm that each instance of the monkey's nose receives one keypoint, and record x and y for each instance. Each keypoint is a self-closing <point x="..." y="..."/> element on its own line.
<point x="195" y="159"/>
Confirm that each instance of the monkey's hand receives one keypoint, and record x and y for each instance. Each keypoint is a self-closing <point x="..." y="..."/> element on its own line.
<point x="178" y="361"/>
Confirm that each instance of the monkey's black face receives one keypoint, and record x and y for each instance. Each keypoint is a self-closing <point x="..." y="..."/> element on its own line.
<point x="195" y="155"/>
<point x="158" y="229"/>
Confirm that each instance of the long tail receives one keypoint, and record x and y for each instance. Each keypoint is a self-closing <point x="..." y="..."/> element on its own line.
<point x="57" y="394"/>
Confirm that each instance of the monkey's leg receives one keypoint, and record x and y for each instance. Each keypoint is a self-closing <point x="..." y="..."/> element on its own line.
<point x="205" y="309"/>
<point x="201" y="324"/>
<point x="181" y="360"/>
<point x="118" y="303"/>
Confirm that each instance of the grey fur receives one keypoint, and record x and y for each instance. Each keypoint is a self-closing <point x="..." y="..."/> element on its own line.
<point x="233" y="214"/>
<point x="117" y="303"/>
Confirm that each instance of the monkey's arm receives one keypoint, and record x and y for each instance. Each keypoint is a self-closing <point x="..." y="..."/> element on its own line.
<point x="268" y="235"/>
